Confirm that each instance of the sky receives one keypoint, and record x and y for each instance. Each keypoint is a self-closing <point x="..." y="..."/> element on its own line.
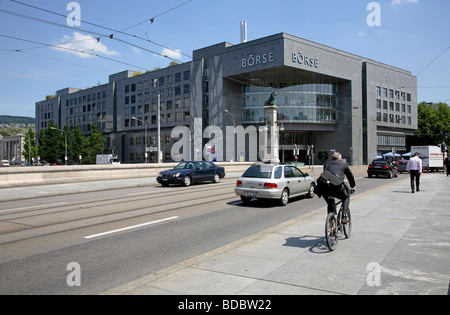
<point x="44" y="49"/>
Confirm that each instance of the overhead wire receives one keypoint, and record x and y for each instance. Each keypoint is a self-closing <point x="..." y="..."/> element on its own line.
<point x="122" y="32"/>
<point x="58" y="46"/>
<point x="111" y="36"/>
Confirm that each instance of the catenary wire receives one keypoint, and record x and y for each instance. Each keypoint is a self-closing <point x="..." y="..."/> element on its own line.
<point x="114" y="30"/>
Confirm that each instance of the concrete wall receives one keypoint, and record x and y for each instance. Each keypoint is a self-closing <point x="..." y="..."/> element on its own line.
<point x="30" y="176"/>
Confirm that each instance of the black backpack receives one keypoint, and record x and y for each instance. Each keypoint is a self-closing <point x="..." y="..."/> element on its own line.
<point x="328" y="184"/>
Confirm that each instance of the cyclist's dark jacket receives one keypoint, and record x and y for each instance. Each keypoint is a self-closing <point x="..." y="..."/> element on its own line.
<point x="341" y="170"/>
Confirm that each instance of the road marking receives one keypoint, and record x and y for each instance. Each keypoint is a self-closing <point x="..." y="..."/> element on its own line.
<point x="131" y="227"/>
<point x="34" y="207"/>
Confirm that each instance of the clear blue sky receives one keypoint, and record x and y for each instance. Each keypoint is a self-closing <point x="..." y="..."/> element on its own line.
<point x="413" y="33"/>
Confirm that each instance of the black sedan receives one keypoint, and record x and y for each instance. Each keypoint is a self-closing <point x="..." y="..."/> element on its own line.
<point x="188" y="173"/>
<point x="382" y="168"/>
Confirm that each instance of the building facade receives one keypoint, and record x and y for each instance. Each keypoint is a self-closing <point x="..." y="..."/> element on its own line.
<point x="213" y="106"/>
<point x="11" y="149"/>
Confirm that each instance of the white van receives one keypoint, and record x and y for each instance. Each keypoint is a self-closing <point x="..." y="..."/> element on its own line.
<point x="4" y="163"/>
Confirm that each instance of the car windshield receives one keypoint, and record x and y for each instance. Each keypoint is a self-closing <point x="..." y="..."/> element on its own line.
<point x="185" y="165"/>
<point x="259" y="171"/>
<point x="379" y="162"/>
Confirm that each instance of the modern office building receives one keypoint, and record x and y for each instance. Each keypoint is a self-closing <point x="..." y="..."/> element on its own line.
<point x="326" y="98"/>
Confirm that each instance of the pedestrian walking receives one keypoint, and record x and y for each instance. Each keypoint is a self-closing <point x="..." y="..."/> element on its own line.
<point x="447" y="164"/>
<point x="414" y="168"/>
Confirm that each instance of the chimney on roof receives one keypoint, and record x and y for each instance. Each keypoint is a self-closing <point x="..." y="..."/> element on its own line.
<point x="243" y="32"/>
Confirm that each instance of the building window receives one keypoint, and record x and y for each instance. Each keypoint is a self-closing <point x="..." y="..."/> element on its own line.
<point x="378" y="90"/>
<point x="187" y="75"/>
<point x="379" y="104"/>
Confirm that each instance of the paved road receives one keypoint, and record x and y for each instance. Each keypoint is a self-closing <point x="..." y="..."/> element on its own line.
<point x="118" y="236"/>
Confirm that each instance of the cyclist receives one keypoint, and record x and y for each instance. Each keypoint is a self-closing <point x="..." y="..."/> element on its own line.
<point x="341" y="170"/>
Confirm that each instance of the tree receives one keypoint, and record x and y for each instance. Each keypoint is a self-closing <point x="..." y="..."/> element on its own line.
<point x="95" y="144"/>
<point x="78" y="144"/>
<point x="30" y="150"/>
<point x="52" y="144"/>
<point x="434" y="124"/>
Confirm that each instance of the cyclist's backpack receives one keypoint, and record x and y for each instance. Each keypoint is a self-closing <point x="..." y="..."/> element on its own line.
<point x="328" y="184"/>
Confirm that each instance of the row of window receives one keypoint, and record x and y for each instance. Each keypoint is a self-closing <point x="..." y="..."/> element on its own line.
<point x="394" y="106"/>
<point x="163" y="93"/>
<point x="86" y="98"/>
<point x="395" y="119"/>
<point x="178" y="117"/>
<point x="161" y="81"/>
<point x="391" y="141"/>
<point x="381" y="91"/>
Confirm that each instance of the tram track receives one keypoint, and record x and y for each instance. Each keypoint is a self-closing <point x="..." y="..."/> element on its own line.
<point x="72" y="217"/>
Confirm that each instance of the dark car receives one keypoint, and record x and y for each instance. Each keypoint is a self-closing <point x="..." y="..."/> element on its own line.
<point x="382" y="168"/>
<point x="188" y="173"/>
<point x="401" y="166"/>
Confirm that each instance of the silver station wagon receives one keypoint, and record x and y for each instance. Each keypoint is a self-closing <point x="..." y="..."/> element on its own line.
<point x="274" y="181"/>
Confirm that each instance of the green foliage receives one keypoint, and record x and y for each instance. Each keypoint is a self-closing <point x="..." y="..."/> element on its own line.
<point x="30" y="150"/>
<point x="52" y="144"/>
<point x="95" y="145"/>
<point x="434" y="124"/>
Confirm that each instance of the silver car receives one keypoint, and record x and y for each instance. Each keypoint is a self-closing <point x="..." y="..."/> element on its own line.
<point x="274" y="181"/>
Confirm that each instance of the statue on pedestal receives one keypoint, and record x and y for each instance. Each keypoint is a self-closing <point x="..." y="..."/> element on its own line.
<point x="272" y="100"/>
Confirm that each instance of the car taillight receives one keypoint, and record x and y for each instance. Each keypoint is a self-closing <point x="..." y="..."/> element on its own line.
<point x="238" y="183"/>
<point x="386" y="167"/>
<point x="270" y="185"/>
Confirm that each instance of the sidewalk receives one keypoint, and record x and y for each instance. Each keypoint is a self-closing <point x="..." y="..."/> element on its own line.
<point x="400" y="245"/>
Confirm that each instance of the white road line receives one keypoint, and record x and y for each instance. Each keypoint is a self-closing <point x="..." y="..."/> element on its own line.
<point x="131" y="227"/>
<point x="34" y="207"/>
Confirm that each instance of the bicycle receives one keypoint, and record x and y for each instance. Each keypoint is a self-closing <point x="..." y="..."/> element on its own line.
<point x="336" y="224"/>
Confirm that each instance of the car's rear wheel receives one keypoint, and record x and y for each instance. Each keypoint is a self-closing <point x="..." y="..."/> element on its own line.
<point x="284" y="200"/>
<point x="187" y="181"/>
<point x="216" y="178"/>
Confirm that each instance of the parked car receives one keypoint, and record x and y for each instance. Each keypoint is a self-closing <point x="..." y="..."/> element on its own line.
<point x="188" y="173"/>
<point x="274" y="181"/>
<point x="4" y="163"/>
<point x="382" y="168"/>
<point x="401" y="166"/>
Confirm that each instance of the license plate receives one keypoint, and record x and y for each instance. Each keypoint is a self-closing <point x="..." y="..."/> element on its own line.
<point x="377" y="166"/>
<point x="250" y="194"/>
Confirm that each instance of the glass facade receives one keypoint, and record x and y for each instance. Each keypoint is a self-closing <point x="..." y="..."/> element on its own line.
<point x="297" y="103"/>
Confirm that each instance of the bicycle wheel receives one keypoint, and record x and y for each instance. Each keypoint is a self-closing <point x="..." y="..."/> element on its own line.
<point x="347" y="226"/>
<point x="331" y="235"/>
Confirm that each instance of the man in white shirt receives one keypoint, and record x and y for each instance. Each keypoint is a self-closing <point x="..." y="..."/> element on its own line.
<point x="414" y="168"/>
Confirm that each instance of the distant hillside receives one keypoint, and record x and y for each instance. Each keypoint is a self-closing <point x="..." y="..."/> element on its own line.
<point x="16" y="120"/>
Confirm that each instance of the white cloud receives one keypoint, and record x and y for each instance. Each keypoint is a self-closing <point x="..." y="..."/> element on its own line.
<point x="398" y="2"/>
<point x="84" y="46"/>
<point x="172" y="53"/>
<point x="361" y="34"/>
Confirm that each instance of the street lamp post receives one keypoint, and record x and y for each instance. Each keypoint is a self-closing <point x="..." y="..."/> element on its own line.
<point x="65" y="134"/>
<point x="146" y="138"/>
<point x="159" y="129"/>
